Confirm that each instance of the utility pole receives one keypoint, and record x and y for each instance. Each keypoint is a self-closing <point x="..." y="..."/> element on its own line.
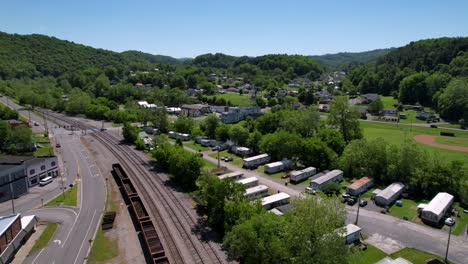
<point x="12" y="195"/>
<point x="357" y="215"/>
<point x="448" y="244"/>
<point x="218" y="159"/>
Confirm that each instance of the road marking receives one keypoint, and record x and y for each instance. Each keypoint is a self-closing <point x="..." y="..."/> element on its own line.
<point x="60" y="208"/>
<point x="58" y="241"/>
<point x="82" y="243"/>
<point x="38" y="255"/>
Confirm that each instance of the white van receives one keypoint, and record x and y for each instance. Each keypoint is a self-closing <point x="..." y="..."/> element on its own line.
<point x="45" y="181"/>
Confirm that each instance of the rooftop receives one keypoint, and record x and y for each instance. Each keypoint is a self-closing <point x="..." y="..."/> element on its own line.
<point x="255" y="189"/>
<point x="231" y="174"/>
<point x="15" y="160"/>
<point x="328" y="176"/>
<point x="7" y="221"/>
<point x="393" y="188"/>
<point x="359" y="183"/>
<point x="248" y="180"/>
<point x="388" y="260"/>
<point x="351" y="229"/>
<point x="294" y="173"/>
<point x="439" y="203"/>
<point x="275" y="197"/>
<point x="194" y="106"/>
<point x="261" y="156"/>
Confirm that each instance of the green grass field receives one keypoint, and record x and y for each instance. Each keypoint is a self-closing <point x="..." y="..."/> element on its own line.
<point x="103" y="249"/>
<point x="70" y="198"/>
<point x="396" y="134"/>
<point x="191" y="144"/>
<point x="235" y="98"/>
<point x="415" y="256"/>
<point x="46" y="149"/>
<point x="409" y="209"/>
<point x="388" y="101"/>
<point x="461" y="222"/>
<point x="235" y="159"/>
<point x="454" y="141"/>
<point x="370" y="256"/>
<point x="45" y="237"/>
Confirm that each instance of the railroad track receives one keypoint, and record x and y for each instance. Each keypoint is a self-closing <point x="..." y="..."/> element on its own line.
<point x="150" y="182"/>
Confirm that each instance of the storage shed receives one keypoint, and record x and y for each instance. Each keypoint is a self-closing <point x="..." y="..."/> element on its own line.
<point x="275" y="200"/>
<point x="332" y="176"/>
<point x="359" y="186"/>
<point x="351" y="233"/>
<point x="389" y="194"/>
<point x="278" y="166"/>
<point x="437" y="208"/>
<point x="249" y="182"/>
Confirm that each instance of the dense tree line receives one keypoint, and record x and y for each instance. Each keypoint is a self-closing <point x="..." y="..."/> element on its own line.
<point x="425" y="174"/>
<point x="343" y="59"/>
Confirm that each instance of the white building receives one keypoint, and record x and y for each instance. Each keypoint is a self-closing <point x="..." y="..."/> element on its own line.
<point x="437" y="208"/>
<point x="351" y="233"/>
<point x="256" y="192"/>
<point x="249" y="182"/>
<point x="233" y="175"/>
<point x="297" y="176"/>
<point x="275" y="200"/>
<point x="255" y="161"/>
<point x="332" y="176"/>
<point x="278" y="166"/>
<point x="389" y="194"/>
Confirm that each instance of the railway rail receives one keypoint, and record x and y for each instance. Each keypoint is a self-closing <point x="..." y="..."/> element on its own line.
<point x="150" y="184"/>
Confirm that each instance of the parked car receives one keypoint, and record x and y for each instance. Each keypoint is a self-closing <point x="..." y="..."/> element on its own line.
<point x="58" y="145"/>
<point x="465" y="211"/>
<point x="36" y="124"/>
<point x="434" y="126"/>
<point x="351" y="201"/>
<point x="363" y="203"/>
<point x="310" y="191"/>
<point x="228" y="159"/>
<point x="215" y="148"/>
<point x="399" y="203"/>
<point x="285" y="176"/>
<point x="450" y="221"/>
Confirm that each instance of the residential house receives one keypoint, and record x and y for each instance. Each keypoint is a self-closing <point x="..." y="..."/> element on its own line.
<point x="195" y="110"/>
<point x="369" y="98"/>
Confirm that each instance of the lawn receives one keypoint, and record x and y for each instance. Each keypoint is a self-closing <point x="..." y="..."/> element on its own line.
<point x="415" y="256"/>
<point x="70" y="198"/>
<point x="411" y="118"/>
<point x="103" y="248"/>
<point x="261" y="169"/>
<point x="396" y="134"/>
<point x="454" y="141"/>
<point x="235" y="98"/>
<point x="45" y="150"/>
<point x="191" y="144"/>
<point x="461" y="222"/>
<point x="45" y="236"/>
<point x="370" y="256"/>
<point x="235" y="159"/>
<point x="409" y="209"/>
<point x="388" y="101"/>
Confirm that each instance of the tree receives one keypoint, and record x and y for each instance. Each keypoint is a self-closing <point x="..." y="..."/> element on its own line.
<point x="331" y="188"/>
<point x="210" y="124"/>
<point x="316" y="153"/>
<point x="333" y="139"/>
<point x="239" y="135"/>
<point x="345" y="118"/>
<point x="413" y="89"/>
<point x="253" y="140"/>
<point x="22" y="138"/>
<point x="184" y="124"/>
<point x="310" y="231"/>
<point x="160" y="120"/>
<point x="130" y="133"/>
<point x="258" y="240"/>
<point x="282" y="145"/>
<point x="222" y="132"/>
<point x="453" y="102"/>
<point x="376" y="106"/>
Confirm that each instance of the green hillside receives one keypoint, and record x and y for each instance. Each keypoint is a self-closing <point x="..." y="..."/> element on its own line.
<point x="334" y="61"/>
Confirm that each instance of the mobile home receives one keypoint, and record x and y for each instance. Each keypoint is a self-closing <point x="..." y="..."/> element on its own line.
<point x="275" y="200"/>
<point x="256" y="192"/>
<point x="278" y="166"/>
<point x="233" y="175"/>
<point x="332" y="176"/>
<point x="437" y="208"/>
<point x="389" y="194"/>
<point x="297" y="176"/>
<point x="249" y="182"/>
<point x="359" y="186"/>
<point x="255" y="161"/>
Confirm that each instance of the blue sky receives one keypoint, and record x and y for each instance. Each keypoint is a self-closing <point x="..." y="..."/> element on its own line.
<point x="189" y="28"/>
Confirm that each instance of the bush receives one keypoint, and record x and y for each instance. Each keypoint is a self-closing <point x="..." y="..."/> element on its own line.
<point x="447" y="134"/>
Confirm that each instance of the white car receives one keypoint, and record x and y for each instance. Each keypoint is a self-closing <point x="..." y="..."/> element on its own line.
<point x="450" y="221"/>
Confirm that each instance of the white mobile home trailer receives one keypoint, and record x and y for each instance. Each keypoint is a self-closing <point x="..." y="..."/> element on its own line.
<point x="437" y="208"/>
<point x="172" y="134"/>
<point x="233" y="175"/>
<point x="389" y="194"/>
<point x="275" y="200"/>
<point x="256" y="192"/>
<point x="255" y="161"/>
<point x="278" y="166"/>
<point x="184" y="137"/>
<point x="249" y="182"/>
<point x="332" y="176"/>
<point x="297" y="176"/>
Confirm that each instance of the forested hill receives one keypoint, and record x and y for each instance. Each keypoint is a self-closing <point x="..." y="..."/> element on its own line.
<point x="272" y="64"/>
<point x="38" y="55"/>
<point x="334" y="61"/>
<point x="430" y="72"/>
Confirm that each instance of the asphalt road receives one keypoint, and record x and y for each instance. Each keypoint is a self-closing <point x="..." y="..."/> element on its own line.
<point x="77" y="226"/>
